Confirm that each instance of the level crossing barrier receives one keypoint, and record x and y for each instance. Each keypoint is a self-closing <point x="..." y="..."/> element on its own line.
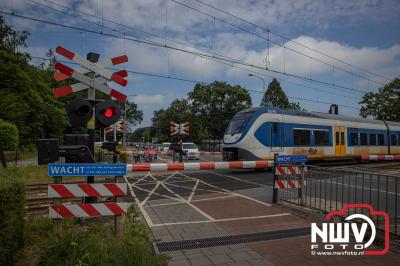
<point x="380" y="157"/>
<point x="146" y="167"/>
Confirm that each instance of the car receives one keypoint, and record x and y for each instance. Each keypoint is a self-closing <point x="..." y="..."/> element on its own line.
<point x="165" y="146"/>
<point x="190" y="151"/>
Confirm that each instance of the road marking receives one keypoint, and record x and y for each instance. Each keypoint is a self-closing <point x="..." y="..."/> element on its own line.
<point x="151" y="192"/>
<point x="224" y="197"/>
<point x="236" y="178"/>
<point x="140" y="179"/>
<point x="348" y="185"/>
<point x="231" y="192"/>
<point x="224" y="220"/>
<point x="193" y="190"/>
<point x="187" y="202"/>
<point x="142" y="210"/>
<point x="155" y="193"/>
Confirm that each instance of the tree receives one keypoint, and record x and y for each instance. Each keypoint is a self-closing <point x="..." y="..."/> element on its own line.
<point x="275" y="96"/>
<point x="10" y="39"/>
<point x="214" y="105"/>
<point x="383" y="104"/>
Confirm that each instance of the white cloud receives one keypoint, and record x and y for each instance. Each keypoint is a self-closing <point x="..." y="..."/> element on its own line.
<point x="144" y="99"/>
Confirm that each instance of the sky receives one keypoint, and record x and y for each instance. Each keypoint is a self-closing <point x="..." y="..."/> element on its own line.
<point x="320" y="51"/>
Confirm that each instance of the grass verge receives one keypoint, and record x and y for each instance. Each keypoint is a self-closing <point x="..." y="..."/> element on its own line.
<point x="91" y="244"/>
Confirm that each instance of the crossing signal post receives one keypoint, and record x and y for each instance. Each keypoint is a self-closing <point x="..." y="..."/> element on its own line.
<point x="180" y="132"/>
<point x="92" y="76"/>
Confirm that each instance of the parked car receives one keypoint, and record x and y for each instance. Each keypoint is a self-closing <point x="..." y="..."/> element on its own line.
<point x="191" y="151"/>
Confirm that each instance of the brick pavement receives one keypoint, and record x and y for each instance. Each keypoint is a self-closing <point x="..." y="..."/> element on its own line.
<point x="232" y="215"/>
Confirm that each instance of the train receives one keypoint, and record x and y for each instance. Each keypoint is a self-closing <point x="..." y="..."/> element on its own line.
<point x="259" y="133"/>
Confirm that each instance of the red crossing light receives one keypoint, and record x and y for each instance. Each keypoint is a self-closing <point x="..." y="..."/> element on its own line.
<point x="108" y="112"/>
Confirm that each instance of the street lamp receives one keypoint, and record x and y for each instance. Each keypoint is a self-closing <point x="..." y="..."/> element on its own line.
<point x="126" y="124"/>
<point x="263" y="80"/>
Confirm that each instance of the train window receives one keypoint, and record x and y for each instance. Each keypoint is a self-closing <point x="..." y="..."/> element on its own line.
<point x="363" y="139"/>
<point x="337" y="138"/>
<point x="372" y="139"/>
<point x="381" y="139"/>
<point x="393" y="140"/>
<point x="238" y="123"/>
<point x="301" y="137"/>
<point x="275" y="127"/>
<point x="321" y="137"/>
<point x="353" y="138"/>
<point x="342" y="138"/>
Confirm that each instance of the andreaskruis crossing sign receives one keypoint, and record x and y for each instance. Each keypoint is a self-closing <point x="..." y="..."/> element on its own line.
<point x="85" y="81"/>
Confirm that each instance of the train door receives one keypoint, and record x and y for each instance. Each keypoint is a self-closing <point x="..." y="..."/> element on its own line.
<point x="340" y="143"/>
<point x="276" y="137"/>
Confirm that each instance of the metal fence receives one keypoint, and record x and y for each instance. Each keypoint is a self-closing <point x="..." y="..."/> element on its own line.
<point x="328" y="189"/>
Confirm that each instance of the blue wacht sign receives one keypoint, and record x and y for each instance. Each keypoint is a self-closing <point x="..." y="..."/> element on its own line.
<point x="291" y="159"/>
<point x="86" y="169"/>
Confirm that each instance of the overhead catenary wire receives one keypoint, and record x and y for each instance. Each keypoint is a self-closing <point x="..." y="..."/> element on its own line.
<point x="155" y="44"/>
<point x="164" y="38"/>
<point x="293" y="41"/>
<point x="191" y="81"/>
<point x="264" y="38"/>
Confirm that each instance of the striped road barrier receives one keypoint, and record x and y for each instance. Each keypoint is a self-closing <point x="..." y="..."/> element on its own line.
<point x="380" y="157"/>
<point x="87" y="190"/>
<point x="145" y="167"/>
<point x="290" y="170"/>
<point x="88" y="210"/>
<point x="289" y="183"/>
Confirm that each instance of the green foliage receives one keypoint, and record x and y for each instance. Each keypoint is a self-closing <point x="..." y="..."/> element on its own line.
<point x="296" y="106"/>
<point x="275" y="96"/>
<point x="8" y="136"/>
<point x="26" y="99"/>
<point x="383" y="104"/>
<point x="96" y="245"/>
<point x="208" y="109"/>
<point x="9" y="38"/>
<point x="12" y="212"/>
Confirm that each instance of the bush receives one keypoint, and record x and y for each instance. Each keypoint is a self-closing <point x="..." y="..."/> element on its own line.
<point x="96" y="245"/>
<point x="8" y="136"/>
<point x="12" y="212"/>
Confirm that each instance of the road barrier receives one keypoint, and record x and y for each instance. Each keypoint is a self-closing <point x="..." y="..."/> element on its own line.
<point x="87" y="190"/>
<point x="88" y="210"/>
<point x="380" y="157"/>
<point x="290" y="170"/>
<point x="145" y="167"/>
<point x="289" y="183"/>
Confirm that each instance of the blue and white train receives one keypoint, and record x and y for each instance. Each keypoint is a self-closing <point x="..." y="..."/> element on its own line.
<point x="260" y="132"/>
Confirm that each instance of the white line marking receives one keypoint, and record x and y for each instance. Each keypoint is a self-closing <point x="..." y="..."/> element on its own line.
<point x="230" y="196"/>
<point x="225" y="220"/>
<point x="202" y="189"/>
<point x="365" y="188"/>
<point x="231" y="192"/>
<point x="187" y="202"/>
<point x="193" y="190"/>
<point x="151" y="193"/>
<point x="155" y="193"/>
<point x="142" y="210"/>
<point x="163" y="204"/>
<point x="140" y="179"/>
<point x="236" y="178"/>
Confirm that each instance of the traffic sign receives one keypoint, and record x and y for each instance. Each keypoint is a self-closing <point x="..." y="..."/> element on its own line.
<point x="86" y="169"/>
<point x="291" y="159"/>
<point x="99" y="83"/>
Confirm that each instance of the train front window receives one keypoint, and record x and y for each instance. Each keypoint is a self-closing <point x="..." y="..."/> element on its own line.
<point x="238" y="123"/>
